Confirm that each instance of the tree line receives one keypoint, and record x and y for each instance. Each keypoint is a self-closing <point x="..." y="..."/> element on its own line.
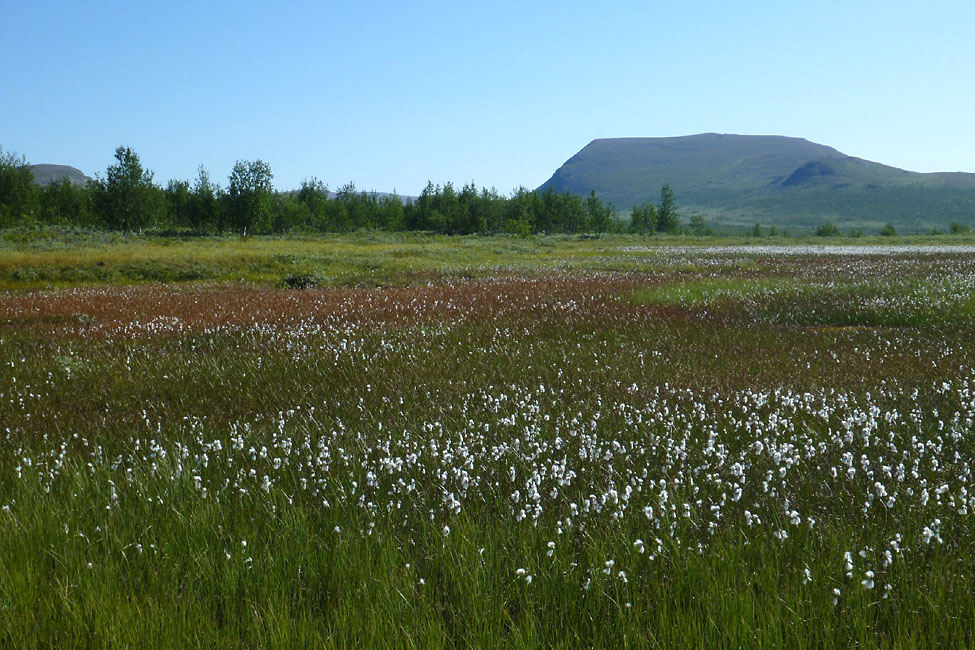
<point x="128" y="199"/>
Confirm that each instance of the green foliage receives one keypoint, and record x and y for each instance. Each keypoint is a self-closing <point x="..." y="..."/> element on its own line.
<point x="827" y="230"/>
<point x="129" y="200"/>
<point x="888" y="230"/>
<point x="126" y="199"/>
<point x="391" y="215"/>
<point x="288" y="213"/>
<point x="519" y="213"/>
<point x="314" y="195"/>
<point x="643" y="218"/>
<point x="757" y="230"/>
<point x="668" y="217"/>
<point x="441" y="209"/>
<point x="65" y="203"/>
<point x="600" y="215"/>
<point x="250" y="197"/>
<point x="179" y="204"/>
<point x="699" y="226"/>
<point x="492" y="206"/>
<point x="204" y="204"/>
<point x="20" y="197"/>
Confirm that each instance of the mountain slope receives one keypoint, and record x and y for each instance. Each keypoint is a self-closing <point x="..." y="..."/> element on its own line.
<point x="740" y="179"/>
<point x="46" y="174"/>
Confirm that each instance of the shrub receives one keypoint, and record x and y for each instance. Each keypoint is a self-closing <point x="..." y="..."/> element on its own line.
<point x="827" y="230"/>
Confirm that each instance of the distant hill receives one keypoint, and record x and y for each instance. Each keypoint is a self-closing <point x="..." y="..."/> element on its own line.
<point x="741" y="179"/>
<point x="46" y="174"/>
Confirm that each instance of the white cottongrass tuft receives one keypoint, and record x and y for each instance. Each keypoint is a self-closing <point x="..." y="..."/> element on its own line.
<point x="867" y="582"/>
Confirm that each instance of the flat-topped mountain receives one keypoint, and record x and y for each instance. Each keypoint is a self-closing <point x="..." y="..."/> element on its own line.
<point x="46" y="174"/>
<point x="741" y="179"/>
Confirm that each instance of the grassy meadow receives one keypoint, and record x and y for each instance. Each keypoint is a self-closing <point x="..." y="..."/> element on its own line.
<point x="486" y="442"/>
<point x="65" y="258"/>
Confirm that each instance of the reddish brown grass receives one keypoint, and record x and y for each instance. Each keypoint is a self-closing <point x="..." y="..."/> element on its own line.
<point x="174" y="309"/>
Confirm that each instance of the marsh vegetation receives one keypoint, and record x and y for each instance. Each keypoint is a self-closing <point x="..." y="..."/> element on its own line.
<point x="489" y="443"/>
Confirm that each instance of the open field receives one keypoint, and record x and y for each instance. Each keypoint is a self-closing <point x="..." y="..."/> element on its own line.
<point x="64" y="258"/>
<point x="486" y="442"/>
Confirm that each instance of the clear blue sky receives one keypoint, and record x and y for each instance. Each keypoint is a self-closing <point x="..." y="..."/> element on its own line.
<point x="389" y="95"/>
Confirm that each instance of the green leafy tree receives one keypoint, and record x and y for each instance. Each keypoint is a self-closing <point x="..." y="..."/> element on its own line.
<point x="314" y="194"/>
<point x="362" y="209"/>
<point x="471" y="217"/>
<point x="668" y="216"/>
<point x="600" y="215"/>
<point x="447" y="210"/>
<point x="250" y="197"/>
<point x="636" y="222"/>
<point x="126" y="199"/>
<point x="573" y="213"/>
<point x="289" y="213"/>
<point x="491" y="205"/>
<point x="888" y="230"/>
<point x="355" y="207"/>
<point x="65" y="203"/>
<point x="548" y="212"/>
<point x="418" y="214"/>
<point x="643" y="218"/>
<point x="204" y="205"/>
<point x="827" y="230"/>
<point x="20" y="197"/>
<point x="224" y="209"/>
<point x="699" y="226"/>
<point x="391" y="212"/>
<point x="520" y="213"/>
<point x="338" y="216"/>
<point x="179" y="203"/>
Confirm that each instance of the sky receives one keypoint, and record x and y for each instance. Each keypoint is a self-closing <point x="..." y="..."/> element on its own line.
<point x="390" y="95"/>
